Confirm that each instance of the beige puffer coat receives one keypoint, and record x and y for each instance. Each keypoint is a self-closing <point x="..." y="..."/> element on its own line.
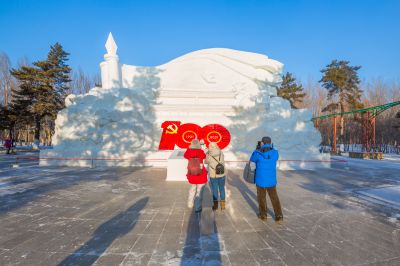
<point x="214" y="152"/>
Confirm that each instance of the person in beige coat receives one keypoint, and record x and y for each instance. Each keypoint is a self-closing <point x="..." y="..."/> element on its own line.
<point x="216" y="170"/>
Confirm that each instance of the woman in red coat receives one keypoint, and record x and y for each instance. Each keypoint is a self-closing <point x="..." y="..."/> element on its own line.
<point x="195" y="156"/>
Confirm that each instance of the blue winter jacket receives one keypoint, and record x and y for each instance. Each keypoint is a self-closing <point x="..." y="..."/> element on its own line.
<point x="265" y="166"/>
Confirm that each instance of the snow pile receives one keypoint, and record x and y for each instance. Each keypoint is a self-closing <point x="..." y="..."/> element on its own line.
<point x="292" y="132"/>
<point x="107" y="124"/>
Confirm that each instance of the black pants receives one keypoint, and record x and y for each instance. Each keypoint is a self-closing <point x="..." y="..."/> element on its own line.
<point x="273" y="196"/>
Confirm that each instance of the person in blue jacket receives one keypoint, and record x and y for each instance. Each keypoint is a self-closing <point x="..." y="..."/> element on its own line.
<point x="265" y="159"/>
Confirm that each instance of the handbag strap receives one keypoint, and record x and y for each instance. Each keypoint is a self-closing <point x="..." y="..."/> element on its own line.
<point x="215" y="160"/>
<point x="218" y="158"/>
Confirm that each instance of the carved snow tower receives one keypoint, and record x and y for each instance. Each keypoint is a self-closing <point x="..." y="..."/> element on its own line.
<point x="110" y="68"/>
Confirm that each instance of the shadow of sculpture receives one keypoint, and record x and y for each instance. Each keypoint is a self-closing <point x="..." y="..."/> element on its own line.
<point x="30" y="184"/>
<point x="105" y="234"/>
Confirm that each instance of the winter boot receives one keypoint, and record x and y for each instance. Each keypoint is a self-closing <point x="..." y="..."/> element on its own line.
<point x="222" y="205"/>
<point x="279" y="218"/>
<point x="262" y="216"/>
<point x="215" y="206"/>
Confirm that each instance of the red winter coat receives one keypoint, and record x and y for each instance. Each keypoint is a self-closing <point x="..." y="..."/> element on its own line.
<point x="196" y="179"/>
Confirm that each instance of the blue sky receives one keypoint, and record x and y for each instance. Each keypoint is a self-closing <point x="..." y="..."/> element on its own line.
<point x="304" y="35"/>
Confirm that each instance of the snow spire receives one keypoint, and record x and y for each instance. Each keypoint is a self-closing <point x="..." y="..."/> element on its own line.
<point x="110" y="67"/>
<point x="111" y="46"/>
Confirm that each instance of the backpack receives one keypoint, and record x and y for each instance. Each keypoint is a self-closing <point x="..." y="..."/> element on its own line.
<point x="219" y="168"/>
<point x="194" y="166"/>
<point x="248" y="174"/>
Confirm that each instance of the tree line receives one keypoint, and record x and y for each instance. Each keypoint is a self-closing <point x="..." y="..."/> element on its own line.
<point x="341" y="90"/>
<point x="31" y="94"/>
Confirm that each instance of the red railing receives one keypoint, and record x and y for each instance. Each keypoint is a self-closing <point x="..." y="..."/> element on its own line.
<point x="161" y="159"/>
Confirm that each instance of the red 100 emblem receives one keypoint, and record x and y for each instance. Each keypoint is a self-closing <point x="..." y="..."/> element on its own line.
<point x="182" y="135"/>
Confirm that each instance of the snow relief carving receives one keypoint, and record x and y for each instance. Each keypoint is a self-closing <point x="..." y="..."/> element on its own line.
<point x="120" y="122"/>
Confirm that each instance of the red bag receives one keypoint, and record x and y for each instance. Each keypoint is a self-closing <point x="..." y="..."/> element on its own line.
<point x="194" y="166"/>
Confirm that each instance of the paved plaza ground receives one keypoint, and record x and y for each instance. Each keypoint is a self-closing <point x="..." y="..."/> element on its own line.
<point x="132" y="216"/>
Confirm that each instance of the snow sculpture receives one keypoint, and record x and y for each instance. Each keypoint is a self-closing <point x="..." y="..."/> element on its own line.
<point x="110" y="70"/>
<point x="120" y="123"/>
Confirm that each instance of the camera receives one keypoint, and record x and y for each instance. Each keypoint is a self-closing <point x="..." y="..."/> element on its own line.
<point x="258" y="147"/>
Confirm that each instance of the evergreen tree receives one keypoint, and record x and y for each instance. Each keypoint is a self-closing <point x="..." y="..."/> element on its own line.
<point x="42" y="88"/>
<point x="342" y="82"/>
<point x="24" y="95"/>
<point x="7" y="119"/>
<point x="290" y="90"/>
<point x="57" y="74"/>
<point x="343" y="85"/>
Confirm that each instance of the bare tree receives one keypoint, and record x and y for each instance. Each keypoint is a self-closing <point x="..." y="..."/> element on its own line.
<point x="81" y="83"/>
<point x="23" y="61"/>
<point x="315" y="98"/>
<point x="6" y="79"/>
<point x="96" y="80"/>
<point x="379" y="92"/>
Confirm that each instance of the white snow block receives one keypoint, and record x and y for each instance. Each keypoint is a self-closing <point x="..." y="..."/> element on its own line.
<point x="177" y="166"/>
<point x="119" y="124"/>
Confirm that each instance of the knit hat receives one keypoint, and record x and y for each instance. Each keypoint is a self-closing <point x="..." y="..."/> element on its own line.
<point x="213" y="145"/>
<point x="214" y="149"/>
<point x="266" y="140"/>
<point x="195" y="144"/>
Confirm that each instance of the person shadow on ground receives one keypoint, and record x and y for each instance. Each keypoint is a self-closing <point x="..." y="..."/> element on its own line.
<point x="249" y="195"/>
<point x="202" y="245"/>
<point x="105" y="234"/>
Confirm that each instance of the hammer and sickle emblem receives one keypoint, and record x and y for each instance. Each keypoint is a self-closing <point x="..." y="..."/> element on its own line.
<point x="172" y="129"/>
